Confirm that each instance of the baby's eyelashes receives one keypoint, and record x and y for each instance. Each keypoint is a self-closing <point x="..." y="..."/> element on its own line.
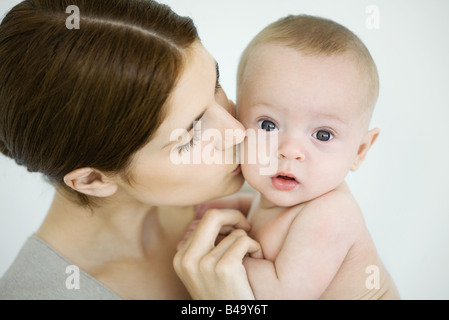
<point x="267" y="125"/>
<point x="323" y="135"/>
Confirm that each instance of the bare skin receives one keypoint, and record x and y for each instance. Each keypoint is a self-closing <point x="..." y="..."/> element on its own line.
<point x="316" y="250"/>
<point x="313" y="236"/>
<point x="130" y="241"/>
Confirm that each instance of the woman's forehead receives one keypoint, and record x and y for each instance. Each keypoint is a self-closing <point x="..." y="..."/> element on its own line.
<point x="193" y="92"/>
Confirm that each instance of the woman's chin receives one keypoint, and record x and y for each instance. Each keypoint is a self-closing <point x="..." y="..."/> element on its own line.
<point x="235" y="185"/>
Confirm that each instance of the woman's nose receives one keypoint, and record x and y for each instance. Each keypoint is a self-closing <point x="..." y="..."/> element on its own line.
<point x="291" y="149"/>
<point x="232" y="131"/>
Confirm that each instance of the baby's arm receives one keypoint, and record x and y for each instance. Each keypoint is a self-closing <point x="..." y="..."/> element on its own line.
<point x="313" y="251"/>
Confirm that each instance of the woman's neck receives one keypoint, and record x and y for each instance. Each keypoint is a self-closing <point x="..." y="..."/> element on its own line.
<point x="118" y="230"/>
<point x="127" y="246"/>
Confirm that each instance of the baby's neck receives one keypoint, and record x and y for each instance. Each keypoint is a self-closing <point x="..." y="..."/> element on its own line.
<point x="262" y="204"/>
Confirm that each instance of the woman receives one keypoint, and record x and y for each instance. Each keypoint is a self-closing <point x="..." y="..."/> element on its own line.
<point x="94" y="109"/>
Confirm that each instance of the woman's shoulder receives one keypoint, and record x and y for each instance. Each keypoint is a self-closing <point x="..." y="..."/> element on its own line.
<point x="39" y="272"/>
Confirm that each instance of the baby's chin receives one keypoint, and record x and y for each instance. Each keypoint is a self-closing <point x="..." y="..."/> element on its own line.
<point x="285" y="199"/>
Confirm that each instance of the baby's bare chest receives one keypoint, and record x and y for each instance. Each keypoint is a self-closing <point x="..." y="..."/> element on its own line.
<point x="271" y="231"/>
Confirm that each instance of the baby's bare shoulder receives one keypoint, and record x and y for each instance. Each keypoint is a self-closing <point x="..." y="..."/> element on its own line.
<point x="337" y="209"/>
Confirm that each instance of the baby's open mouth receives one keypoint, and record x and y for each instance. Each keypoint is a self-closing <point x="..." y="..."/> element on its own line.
<point x="284" y="182"/>
<point x="285" y="177"/>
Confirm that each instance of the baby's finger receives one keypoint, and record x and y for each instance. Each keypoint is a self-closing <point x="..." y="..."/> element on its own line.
<point x="225" y="230"/>
<point x="240" y="248"/>
<point x="237" y="244"/>
<point x="202" y="240"/>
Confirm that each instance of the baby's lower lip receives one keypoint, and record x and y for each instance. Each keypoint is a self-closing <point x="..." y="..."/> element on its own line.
<point x="283" y="183"/>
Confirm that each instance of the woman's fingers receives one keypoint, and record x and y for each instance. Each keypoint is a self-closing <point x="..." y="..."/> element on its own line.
<point x="189" y="231"/>
<point x="224" y="231"/>
<point x="202" y="239"/>
<point x="217" y="271"/>
<point x="239" y="246"/>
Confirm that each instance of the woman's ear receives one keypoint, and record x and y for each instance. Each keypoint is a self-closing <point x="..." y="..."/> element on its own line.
<point x="90" y="182"/>
<point x="366" y="144"/>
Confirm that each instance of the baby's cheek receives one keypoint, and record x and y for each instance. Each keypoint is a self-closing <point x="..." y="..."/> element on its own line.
<point x="331" y="173"/>
<point x="251" y="174"/>
<point x="247" y="170"/>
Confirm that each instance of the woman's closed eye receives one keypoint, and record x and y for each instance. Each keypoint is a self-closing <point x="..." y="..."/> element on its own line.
<point x="195" y="139"/>
<point x="217" y="83"/>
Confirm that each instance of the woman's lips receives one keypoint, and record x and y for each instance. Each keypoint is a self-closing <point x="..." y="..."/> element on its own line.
<point x="284" y="181"/>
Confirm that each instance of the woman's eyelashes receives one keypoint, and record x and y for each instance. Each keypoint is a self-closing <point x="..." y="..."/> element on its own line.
<point x="217" y="87"/>
<point x="195" y="139"/>
<point x="217" y="83"/>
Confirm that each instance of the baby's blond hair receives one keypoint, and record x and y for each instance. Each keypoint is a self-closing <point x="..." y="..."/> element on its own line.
<point x="315" y="36"/>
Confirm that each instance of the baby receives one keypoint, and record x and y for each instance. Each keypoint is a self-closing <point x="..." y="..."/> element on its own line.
<point x="311" y="84"/>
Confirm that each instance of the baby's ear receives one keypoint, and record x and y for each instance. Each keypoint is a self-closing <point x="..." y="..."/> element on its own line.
<point x="367" y="142"/>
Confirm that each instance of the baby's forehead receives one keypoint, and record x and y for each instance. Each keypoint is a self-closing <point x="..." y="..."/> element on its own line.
<point x="302" y="111"/>
<point x="284" y="68"/>
<point x="266" y="53"/>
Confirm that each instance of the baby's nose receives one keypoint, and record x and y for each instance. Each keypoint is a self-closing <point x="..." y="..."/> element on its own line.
<point x="291" y="149"/>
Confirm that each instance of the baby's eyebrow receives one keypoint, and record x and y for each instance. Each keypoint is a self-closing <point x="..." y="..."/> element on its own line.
<point x="318" y="114"/>
<point x="262" y="106"/>
<point x="331" y="116"/>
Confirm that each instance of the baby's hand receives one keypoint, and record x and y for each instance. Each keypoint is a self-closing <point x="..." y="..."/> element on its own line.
<point x="224" y="231"/>
<point x="240" y="202"/>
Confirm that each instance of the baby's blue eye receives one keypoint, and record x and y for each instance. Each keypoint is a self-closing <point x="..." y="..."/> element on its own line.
<point x="323" y="135"/>
<point x="267" y="125"/>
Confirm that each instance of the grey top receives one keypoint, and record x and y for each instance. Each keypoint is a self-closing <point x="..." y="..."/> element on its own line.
<point x="41" y="273"/>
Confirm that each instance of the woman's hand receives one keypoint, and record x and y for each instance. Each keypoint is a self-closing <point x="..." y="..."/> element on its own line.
<point x="212" y="271"/>
<point x="240" y="201"/>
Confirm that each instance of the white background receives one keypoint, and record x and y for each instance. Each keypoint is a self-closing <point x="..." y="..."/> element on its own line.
<point x="402" y="185"/>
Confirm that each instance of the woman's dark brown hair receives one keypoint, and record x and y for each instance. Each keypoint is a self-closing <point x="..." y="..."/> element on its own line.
<point x="87" y="97"/>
